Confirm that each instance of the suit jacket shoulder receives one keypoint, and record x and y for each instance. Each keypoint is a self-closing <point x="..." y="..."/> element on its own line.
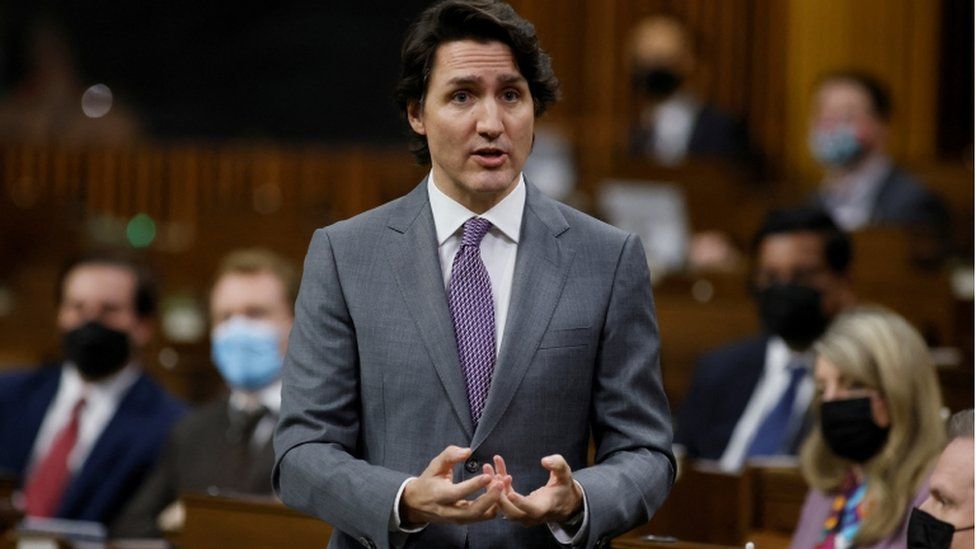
<point x="903" y="200"/>
<point x="721" y="386"/>
<point x="24" y="398"/>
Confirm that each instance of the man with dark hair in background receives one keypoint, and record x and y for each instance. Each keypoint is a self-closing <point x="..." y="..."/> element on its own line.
<point x="750" y="398"/>
<point x="861" y="186"/>
<point x="84" y="433"/>
<point x="468" y="337"/>
<point x="225" y="446"/>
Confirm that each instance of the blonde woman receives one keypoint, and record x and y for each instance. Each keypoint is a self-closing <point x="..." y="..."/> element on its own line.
<point x="878" y="432"/>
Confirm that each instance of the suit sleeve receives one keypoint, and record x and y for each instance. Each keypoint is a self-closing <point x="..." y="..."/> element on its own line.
<point x="630" y="420"/>
<point x="318" y="469"/>
<point x="138" y="517"/>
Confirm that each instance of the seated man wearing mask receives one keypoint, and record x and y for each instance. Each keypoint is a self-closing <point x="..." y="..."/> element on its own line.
<point x="84" y="433"/>
<point x="750" y="398"/>
<point x="861" y="185"/>
<point x="945" y="519"/>
<point x="676" y="122"/>
<point x="225" y="446"/>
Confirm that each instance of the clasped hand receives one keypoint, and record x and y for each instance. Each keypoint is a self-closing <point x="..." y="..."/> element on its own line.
<point x="434" y="497"/>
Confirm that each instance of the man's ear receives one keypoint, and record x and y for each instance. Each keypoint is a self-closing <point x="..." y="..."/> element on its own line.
<point x="415" y="116"/>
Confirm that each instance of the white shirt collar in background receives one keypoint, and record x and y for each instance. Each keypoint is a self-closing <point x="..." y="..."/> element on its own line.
<point x="102" y="399"/>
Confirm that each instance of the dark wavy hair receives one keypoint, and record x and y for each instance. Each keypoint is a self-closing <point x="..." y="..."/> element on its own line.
<point x="838" y="251"/>
<point x="481" y="20"/>
<point x="146" y="295"/>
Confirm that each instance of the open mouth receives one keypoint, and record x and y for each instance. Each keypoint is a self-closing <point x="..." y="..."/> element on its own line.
<point x="489" y="153"/>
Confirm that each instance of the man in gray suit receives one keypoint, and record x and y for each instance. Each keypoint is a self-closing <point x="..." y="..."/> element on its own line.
<point x="454" y="349"/>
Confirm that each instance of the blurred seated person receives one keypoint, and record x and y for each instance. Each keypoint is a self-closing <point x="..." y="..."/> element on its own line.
<point x="877" y="433"/>
<point x="750" y="398"/>
<point x="225" y="446"/>
<point x="82" y="434"/>
<point x="861" y="186"/>
<point x="674" y="121"/>
<point x="945" y="519"/>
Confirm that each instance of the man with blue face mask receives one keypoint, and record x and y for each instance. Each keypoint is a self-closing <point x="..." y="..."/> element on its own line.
<point x="861" y="186"/>
<point x="225" y="446"/>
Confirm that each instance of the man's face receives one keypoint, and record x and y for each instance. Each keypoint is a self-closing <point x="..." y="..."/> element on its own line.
<point x="103" y="293"/>
<point x="255" y="296"/>
<point x="842" y="103"/>
<point x="477" y="115"/>
<point x="798" y="258"/>
<point x="951" y="490"/>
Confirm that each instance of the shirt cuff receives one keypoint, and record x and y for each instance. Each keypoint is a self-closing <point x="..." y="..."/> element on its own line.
<point x="576" y="537"/>
<point x="395" y="525"/>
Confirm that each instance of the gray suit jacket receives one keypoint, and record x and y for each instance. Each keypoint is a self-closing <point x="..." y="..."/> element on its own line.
<point x="373" y="388"/>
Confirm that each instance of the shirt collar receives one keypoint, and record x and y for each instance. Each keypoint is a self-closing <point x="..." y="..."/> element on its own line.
<point x="269" y="397"/>
<point x="449" y="215"/>
<point x="861" y="183"/>
<point x="111" y="388"/>
<point x="779" y="356"/>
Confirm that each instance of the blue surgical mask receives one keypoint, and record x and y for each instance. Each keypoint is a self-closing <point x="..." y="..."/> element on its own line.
<point x="246" y="352"/>
<point x="836" y="147"/>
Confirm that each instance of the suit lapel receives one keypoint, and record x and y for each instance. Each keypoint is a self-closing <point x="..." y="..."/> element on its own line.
<point x="412" y="247"/>
<point x="541" y="267"/>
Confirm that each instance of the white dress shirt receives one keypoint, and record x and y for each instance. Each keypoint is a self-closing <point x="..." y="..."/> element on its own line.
<point x="102" y="399"/>
<point x="498" y="249"/>
<point x="773" y="382"/>
<point x="673" y="121"/>
<point x="850" y="198"/>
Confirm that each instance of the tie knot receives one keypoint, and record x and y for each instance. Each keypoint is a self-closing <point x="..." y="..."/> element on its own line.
<point x="474" y="230"/>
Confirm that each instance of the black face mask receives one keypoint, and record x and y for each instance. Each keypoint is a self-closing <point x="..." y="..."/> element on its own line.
<point x="792" y="312"/>
<point x="849" y="429"/>
<point x="659" y="82"/>
<point x="96" y="349"/>
<point x="926" y="531"/>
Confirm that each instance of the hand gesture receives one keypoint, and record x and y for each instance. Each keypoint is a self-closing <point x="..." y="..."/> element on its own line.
<point x="557" y="501"/>
<point x="433" y="496"/>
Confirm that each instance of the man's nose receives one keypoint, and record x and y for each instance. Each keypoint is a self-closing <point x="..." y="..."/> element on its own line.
<point x="489" y="123"/>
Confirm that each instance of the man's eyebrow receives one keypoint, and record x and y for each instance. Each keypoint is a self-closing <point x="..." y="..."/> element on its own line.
<point x="467" y="80"/>
<point x="511" y="78"/>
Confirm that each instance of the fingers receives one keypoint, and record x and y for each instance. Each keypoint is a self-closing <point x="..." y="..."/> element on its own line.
<point x="483" y="507"/>
<point x="443" y="462"/>
<point x="560" y="470"/>
<point x="462" y="490"/>
<point x="500" y="468"/>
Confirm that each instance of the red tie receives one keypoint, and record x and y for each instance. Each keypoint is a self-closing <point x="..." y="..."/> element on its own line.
<point x="46" y="486"/>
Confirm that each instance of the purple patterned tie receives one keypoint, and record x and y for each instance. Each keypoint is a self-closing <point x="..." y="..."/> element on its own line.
<point x="473" y="312"/>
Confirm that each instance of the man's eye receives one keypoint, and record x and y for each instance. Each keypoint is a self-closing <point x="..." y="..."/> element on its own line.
<point x="461" y="97"/>
<point x="511" y="95"/>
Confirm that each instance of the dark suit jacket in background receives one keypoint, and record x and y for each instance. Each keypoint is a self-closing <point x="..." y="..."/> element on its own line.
<point x="204" y="453"/>
<point x="715" y="134"/>
<point x="373" y="388"/>
<point x="721" y="386"/>
<point x="120" y="459"/>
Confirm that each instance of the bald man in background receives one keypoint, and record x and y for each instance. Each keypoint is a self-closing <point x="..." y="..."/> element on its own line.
<point x="945" y="519"/>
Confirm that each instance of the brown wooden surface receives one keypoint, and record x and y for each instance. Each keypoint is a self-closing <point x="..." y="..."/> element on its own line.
<point x="708" y="506"/>
<point x="638" y="542"/>
<point x="252" y="522"/>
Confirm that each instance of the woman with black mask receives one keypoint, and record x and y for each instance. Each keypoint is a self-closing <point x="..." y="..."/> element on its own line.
<point x="878" y="432"/>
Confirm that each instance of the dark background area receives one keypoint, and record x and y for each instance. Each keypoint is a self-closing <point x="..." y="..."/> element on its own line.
<point x="288" y="70"/>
